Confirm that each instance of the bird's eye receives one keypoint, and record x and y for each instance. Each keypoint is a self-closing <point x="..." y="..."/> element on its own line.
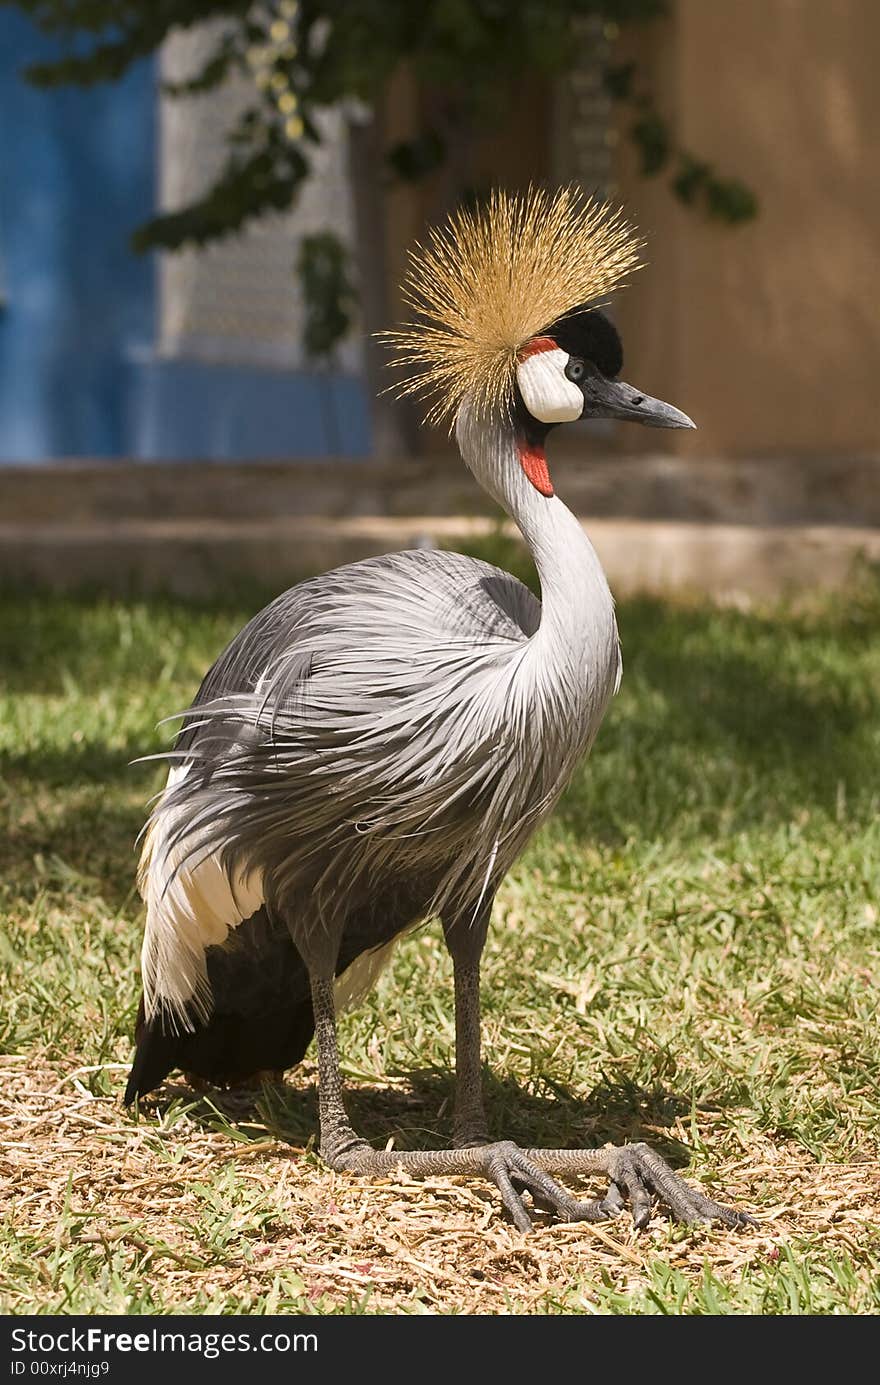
<point x="575" y="370"/>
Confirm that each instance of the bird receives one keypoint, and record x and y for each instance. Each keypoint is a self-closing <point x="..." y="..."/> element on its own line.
<point x="375" y="749"/>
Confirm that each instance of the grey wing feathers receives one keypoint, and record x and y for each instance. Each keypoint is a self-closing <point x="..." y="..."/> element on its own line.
<point x="351" y="735"/>
<point x="445" y="592"/>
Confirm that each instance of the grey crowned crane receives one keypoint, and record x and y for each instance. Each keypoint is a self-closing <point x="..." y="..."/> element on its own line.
<point x="377" y="746"/>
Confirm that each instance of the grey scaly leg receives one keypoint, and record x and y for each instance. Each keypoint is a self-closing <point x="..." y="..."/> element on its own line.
<point x="465" y="940"/>
<point x="634" y="1171"/>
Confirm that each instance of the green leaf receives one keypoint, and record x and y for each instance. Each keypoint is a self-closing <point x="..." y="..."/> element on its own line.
<point x="618" y="80"/>
<point x="416" y="158"/>
<point x="651" y="135"/>
<point x="691" y="178"/>
<point x="328" y="294"/>
<point x="730" y="200"/>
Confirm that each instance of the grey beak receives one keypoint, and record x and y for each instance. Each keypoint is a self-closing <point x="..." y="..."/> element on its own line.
<point x="615" y="399"/>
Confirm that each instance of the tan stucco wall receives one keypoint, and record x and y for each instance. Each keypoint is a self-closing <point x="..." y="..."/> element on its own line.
<point x="767" y="334"/>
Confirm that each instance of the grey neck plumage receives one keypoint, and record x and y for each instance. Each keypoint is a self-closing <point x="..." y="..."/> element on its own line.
<point x="577" y="636"/>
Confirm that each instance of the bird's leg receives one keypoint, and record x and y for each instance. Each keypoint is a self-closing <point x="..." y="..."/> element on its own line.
<point x="465" y="940"/>
<point x="634" y="1171"/>
<point x="510" y="1168"/>
<point x="504" y="1164"/>
<point x="340" y="1147"/>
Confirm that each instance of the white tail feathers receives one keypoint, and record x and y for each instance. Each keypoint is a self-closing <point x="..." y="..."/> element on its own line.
<point x="192" y="904"/>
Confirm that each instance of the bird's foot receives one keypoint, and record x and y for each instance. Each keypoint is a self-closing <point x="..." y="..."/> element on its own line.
<point x="502" y="1163"/>
<point x="514" y="1173"/>
<point x="636" y="1175"/>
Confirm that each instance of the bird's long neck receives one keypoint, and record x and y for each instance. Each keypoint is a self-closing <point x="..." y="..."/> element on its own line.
<point x="577" y="622"/>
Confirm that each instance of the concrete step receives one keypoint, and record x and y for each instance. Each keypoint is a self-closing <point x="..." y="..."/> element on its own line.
<point x="802" y="490"/>
<point x="195" y="557"/>
<point x="745" y="528"/>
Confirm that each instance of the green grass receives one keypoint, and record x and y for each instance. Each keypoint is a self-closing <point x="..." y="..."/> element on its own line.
<point x="689" y="952"/>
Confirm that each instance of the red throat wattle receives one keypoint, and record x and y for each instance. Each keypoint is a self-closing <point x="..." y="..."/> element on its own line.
<point x="533" y="461"/>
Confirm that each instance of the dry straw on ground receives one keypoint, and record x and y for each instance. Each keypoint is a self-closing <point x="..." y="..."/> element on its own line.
<point x="75" y="1170"/>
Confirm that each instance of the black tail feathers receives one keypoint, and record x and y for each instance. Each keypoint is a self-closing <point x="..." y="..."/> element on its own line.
<point x="261" y="1020"/>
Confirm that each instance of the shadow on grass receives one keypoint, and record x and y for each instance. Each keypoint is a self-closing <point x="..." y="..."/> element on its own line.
<point x="729" y="712"/>
<point x="92" y="639"/>
<point x="85" y="763"/>
<point x="707" y="694"/>
<point x="417" y="1115"/>
<point x="87" y="844"/>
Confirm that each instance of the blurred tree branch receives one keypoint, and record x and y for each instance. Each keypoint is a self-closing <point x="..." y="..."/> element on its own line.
<point x="693" y="180"/>
<point x="303" y="56"/>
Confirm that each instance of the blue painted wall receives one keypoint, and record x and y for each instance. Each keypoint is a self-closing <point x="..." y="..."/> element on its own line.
<point x="76" y="175"/>
<point x="190" y="409"/>
<point x="78" y="375"/>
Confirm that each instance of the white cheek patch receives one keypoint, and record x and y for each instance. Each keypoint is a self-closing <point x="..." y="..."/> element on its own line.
<point x="546" y="390"/>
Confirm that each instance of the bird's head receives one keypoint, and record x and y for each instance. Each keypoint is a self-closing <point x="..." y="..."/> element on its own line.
<point x="571" y="372"/>
<point x="505" y="328"/>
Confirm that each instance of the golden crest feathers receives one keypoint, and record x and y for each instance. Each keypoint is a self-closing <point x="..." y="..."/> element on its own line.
<point x="491" y="279"/>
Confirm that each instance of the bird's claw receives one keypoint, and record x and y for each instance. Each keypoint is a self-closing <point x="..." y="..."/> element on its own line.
<point x="514" y="1173"/>
<point x="640" y="1175"/>
<point x="637" y="1175"/>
